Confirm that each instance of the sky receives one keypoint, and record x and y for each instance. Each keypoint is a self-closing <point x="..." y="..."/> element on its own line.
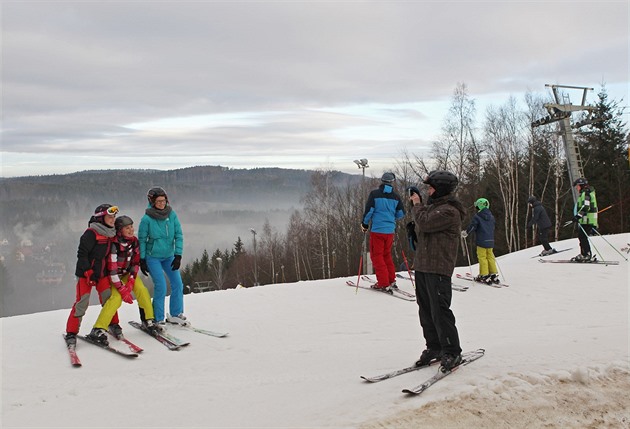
<point x="291" y="84"/>
<point x="555" y="340"/>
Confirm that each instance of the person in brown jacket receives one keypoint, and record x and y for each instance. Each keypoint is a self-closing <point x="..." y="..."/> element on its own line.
<point x="438" y="225"/>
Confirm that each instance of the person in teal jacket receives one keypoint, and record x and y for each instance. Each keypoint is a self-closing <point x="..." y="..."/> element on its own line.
<point x="161" y="247"/>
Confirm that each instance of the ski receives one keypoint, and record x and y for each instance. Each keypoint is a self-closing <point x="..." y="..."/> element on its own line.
<point x="568" y="261"/>
<point x="408" y="369"/>
<point x="454" y="286"/>
<point x="108" y="348"/>
<point x="201" y="331"/>
<point x="133" y="347"/>
<point x="396" y="289"/>
<point x="470" y="278"/>
<point x="72" y="352"/>
<point x="471" y="357"/>
<point x="164" y="338"/>
<point x="551" y="254"/>
<point x="386" y="292"/>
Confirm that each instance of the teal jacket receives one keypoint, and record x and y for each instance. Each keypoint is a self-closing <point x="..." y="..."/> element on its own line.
<point x="160" y="238"/>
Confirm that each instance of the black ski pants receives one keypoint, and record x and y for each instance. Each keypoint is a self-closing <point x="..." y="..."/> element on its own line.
<point x="433" y="295"/>
<point x="543" y="237"/>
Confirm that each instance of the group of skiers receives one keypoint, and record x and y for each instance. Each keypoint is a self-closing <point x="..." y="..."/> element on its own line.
<point x="109" y="257"/>
<point x="434" y="235"/>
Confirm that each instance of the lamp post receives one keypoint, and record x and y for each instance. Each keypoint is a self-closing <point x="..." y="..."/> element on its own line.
<point x="363" y="164"/>
<point x="255" y="258"/>
<point x="219" y="278"/>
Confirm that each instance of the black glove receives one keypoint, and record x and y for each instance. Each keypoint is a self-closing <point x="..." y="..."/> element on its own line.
<point x="411" y="235"/>
<point x="364" y="227"/>
<point x="577" y="218"/>
<point x="177" y="261"/>
<point x="143" y="267"/>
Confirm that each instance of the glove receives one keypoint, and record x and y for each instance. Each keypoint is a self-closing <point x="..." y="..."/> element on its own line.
<point x="464" y="234"/>
<point x="177" y="261"/>
<point x="364" y="227"/>
<point x="577" y="218"/>
<point x="125" y="293"/>
<point x="411" y="235"/>
<point x="413" y="190"/>
<point x="143" y="267"/>
<point x="131" y="282"/>
<point x="88" y="276"/>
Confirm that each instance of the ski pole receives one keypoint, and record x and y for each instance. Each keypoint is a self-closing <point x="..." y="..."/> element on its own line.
<point x="591" y="241"/>
<point x="465" y="249"/>
<point x="360" y="263"/>
<point x="413" y="282"/>
<point x="621" y="254"/>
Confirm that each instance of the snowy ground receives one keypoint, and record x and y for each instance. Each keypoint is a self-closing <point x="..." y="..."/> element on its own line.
<point x="556" y="348"/>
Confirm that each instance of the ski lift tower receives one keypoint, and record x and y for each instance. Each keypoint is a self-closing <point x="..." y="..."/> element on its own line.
<point x="560" y="111"/>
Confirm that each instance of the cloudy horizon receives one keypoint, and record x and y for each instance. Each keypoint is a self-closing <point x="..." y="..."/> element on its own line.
<point x="290" y="84"/>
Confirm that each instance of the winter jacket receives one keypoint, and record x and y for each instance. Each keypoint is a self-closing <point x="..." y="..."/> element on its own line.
<point x="483" y="226"/>
<point x="124" y="259"/>
<point x="92" y="254"/>
<point x="586" y="205"/>
<point x="383" y="208"/>
<point x="438" y="227"/>
<point x="539" y="216"/>
<point x="160" y="238"/>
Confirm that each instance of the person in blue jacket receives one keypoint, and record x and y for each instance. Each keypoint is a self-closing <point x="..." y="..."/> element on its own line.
<point x="483" y="225"/>
<point x="161" y="247"/>
<point x="383" y="208"/>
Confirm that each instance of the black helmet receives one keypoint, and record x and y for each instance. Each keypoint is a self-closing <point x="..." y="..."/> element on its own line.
<point x="580" y="181"/>
<point x="531" y="200"/>
<point x="122" y="221"/>
<point x="444" y="182"/>
<point x="388" y="178"/>
<point x="155" y="192"/>
<point x="100" y="212"/>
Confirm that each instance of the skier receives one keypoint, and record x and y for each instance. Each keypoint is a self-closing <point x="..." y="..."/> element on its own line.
<point x="91" y="267"/>
<point x="383" y="208"/>
<point x="124" y="260"/>
<point x="483" y="226"/>
<point x="438" y="224"/>
<point x="585" y="216"/>
<point x="161" y="247"/>
<point x="541" y="219"/>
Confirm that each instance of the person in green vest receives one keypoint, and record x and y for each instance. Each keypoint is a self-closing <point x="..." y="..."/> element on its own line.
<point x="585" y="215"/>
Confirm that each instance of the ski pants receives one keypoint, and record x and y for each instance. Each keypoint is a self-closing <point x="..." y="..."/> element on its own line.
<point x="115" y="301"/>
<point x="157" y="268"/>
<point x="584" y="230"/>
<point x="487" y="263"/>
<point x="381" y="255"/>
<point x="83" y="301"/>
<point x="543" y="237"/>
<point x="434" y="295"/>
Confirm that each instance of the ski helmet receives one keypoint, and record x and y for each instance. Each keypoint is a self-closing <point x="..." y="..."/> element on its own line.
<point x="531" y="200"/>
<point x="482" y="203"/>
<point x="155" y="192"/>
<point x="101" y="211"/>
<point x="580" y="181"/>
<point x="444" y="182"/>
<point x="122" y="221"/>
<point x="388" y="178"/>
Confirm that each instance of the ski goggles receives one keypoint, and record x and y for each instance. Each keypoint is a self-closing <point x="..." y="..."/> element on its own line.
<point x="113" y="210"/>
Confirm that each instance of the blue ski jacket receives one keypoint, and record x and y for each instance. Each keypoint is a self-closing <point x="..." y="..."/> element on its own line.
<point x="483" y="226"/>
<point x="383" y="208"/>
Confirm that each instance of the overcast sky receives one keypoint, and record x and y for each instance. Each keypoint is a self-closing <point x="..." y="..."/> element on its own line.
<point x="293" y="84"/>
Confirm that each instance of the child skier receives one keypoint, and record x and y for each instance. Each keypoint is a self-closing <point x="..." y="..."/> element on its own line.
<point x="483" y="226"/>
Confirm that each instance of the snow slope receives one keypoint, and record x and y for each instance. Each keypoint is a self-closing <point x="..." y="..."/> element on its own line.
<point x="556" y="348"/>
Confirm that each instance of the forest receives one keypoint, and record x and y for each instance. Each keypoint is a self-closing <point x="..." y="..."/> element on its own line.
<point x="503" y="158"/>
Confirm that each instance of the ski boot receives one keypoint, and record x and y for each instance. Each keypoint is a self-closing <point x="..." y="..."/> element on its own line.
<point x="178" y="320"/>
<point x="450" y="361"/>
<point x="116" y="330"/>
<point x="428" y="356"/>
<point x="98" y="336"/>
<point x="152" y="326"/>
<point x="71" y="339"/>
<point x="494" y="279"/>
<point x="582" y="258"/>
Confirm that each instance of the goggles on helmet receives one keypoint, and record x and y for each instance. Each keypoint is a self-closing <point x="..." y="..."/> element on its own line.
<point x="109" y="211"/>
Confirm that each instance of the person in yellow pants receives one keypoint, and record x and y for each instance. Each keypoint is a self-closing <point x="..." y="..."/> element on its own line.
<point x="123" y="265"/>
<point x="483" y="225"/>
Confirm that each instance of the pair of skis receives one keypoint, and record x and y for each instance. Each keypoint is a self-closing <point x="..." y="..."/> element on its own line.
<point x="396" y="293"/>
<point x="459" y="288"/>
<point x="569" y="261"/>
<point x="551" y="254"/>
<point x="469" y="277"/>
<point x="74" y="357"/>
<point x="467" y="358"/>
<point x="171" y="342"/>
